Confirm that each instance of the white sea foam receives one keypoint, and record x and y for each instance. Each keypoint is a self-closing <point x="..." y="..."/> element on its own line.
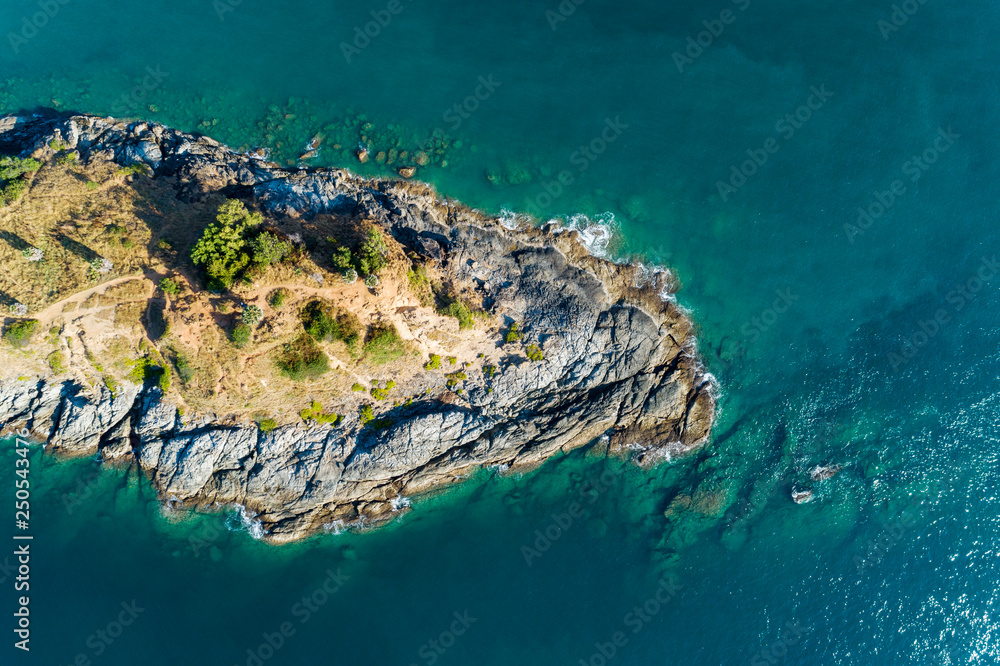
<point x="512" y="221"/>
<point x="245" y="519"/>
<point x="595" y="234"/>
<point x="399" y="503"/>
<point x="336" y="527"/>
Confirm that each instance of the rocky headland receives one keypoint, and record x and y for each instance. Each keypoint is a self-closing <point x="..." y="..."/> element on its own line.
<point x="563" y="349"/>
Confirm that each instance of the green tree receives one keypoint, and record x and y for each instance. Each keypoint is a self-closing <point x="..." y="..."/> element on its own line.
<point x="15" y="167"/>
<point x="373" y="255"/>
<point x="269" y="249"/>
<point x="240" y="335"/>
<point x="222" y="248"/>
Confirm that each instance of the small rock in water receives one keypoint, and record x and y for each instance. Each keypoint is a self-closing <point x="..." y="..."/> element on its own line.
<point x="407" y="172"/>
<point x="824" y="472"/>
<point x="362" y="155"/>
<point x="802" y="496"/>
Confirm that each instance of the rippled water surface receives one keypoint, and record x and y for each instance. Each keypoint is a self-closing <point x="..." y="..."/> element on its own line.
<point x="740" y="162"/>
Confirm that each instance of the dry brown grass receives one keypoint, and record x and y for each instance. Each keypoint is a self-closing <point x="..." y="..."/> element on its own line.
<point x="147" y="232"/>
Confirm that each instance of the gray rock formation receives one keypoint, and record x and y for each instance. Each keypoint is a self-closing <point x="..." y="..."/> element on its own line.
<point x="620" y="360"/>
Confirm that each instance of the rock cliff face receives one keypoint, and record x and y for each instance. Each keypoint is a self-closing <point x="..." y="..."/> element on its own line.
<point x="619" y="359"/>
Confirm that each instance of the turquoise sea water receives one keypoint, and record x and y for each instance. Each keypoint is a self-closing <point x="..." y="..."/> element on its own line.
<point x="823" y="337"/>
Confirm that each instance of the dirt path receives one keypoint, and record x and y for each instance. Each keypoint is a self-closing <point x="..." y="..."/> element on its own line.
<point x="49" y="314"/>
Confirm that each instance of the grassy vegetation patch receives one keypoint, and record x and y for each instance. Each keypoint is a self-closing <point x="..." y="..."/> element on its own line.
<point x="383" y="344"/>
<point x="19" y="333"/>
<point x="315" y="413"/>
<point x="57" y="362"/>
<point x="302" y="359"/>
<point x="327" y="324"/>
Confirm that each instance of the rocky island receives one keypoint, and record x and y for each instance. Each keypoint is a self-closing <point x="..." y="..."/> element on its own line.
<point x="308" y="344"/>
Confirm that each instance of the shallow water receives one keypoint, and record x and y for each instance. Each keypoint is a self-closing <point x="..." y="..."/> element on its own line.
<point x="820" y="335"/>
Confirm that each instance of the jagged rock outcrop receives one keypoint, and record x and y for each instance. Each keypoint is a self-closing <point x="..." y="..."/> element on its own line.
<point x="620" y="359"/>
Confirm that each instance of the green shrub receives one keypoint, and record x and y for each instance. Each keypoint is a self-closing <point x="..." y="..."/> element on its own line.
<point x="324" y="323"/>
<point x="434" y="363"/>
<point x="240" y="335"/>
<point x="490" y="370"/>
<point x="145" y="371"/>
<point x="366" y="415"/>
<point x="315" y="413"/>
<point x="91" y="185"/>
<point x="455" y="378"/>
<point x="383" y="345"/>
<point x="57" y="361"/>
<point x="137" y="169"/>
<point x="371" y="281"/>
<point x="19" y="333"/>
<point x="112" y="385"/>
<point x="514" y="334"/>
<point x="269" y="249"/>
<point x="461" y="312"/>
<point x="278" y="298"/>
<point x="302" y="359"/>
<point x="170" y="287"/>
<point x="452" y="360"/>
<point x="223" y="248"/>
<point x="358" y="388"/>
<point x="267" y="425"/>
<point x="383" y="393"/>
<point x="535" y="353"/>
<point x="11" y="191"/>
<point x="184" y="369"/>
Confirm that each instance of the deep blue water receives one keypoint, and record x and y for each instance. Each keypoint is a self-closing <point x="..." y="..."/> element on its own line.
<point x="816" y="320"/>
